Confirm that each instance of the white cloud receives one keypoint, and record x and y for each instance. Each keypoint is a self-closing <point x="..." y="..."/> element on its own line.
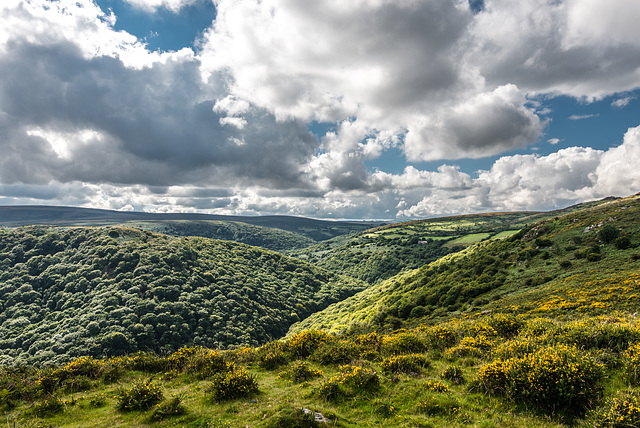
<point x="89" y="116"/>
<point x="153" y="5"/>
<point x="622" y="102"/>
<point x="553" y="141"/>
<point x="582" y="116"/>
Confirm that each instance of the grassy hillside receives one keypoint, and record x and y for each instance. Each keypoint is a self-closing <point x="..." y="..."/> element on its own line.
<point x="259" y="236"/>
<point x="111" y="291"/>
<point x="537" y="329"/>
<point x="380" y="253"/>
<point x="316" y="230"/>
<point x="550" y="261"/>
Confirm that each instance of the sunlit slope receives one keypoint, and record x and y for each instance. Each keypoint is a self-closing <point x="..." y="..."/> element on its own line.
<point x="101" y="291"/>
<point x="380" y="253"/>
<point x="583" y="261"/>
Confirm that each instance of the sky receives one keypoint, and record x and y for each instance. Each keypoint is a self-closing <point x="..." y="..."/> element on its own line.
<point x="358" y="109"/>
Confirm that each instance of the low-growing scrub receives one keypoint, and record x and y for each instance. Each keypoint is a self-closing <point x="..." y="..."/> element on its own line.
<point x="439" y="405"/>
<point x="304" y="344"/>
<point x="47" y="407"/>
<point x="171" y="408"/>
<point x="403" y="343"/>
<point x="454" y="374"/>
<point x="477" y="347"/>
<point x="232" y="385"/>
<point x="558" y="379"/>
<point x="299" y="372"/>
<point x="617" y="412"/>
<point x="632" y="365"/>
<point x="436" y="386"/>
<point x="272" y="355"/>
<point x="412" y="363"/>
<point x="142" y="395"/>
<point x="352" y="380"/>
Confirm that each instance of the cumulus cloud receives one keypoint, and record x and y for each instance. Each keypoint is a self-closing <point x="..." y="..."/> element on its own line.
<point x="582" y="116"/>
<point x="90" y="117"/>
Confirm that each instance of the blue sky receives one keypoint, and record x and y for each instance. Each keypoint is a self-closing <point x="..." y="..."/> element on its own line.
<point x="328" y="109"/>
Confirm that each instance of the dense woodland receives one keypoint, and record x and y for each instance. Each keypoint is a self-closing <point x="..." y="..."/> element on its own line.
<point x="66" y="292"/>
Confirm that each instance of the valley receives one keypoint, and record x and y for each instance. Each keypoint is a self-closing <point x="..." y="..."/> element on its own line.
<point x="495" y="320"/>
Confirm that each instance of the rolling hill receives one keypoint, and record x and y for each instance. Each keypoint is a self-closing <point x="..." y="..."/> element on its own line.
<point x="383" y="252"/>
<point x="530" y="328"/>
<point x="66" y="292"/>
<point x="546" y="262"/>
<point x="181" y="223"/>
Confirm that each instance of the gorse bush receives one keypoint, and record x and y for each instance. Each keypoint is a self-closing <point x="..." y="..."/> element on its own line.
<point x="470" y="347"/>
<point x="632" y="365"/>
<point x="173" y="407"/>
<point x="272" y="355"/>
<point x="232" y="385"/>
<point x="143" y="395"/>
<point x="351" y="380"/>
<point x="403" y="343"/>
<point x="436" y="386"/>
<point x="436" y="405"/>
<point x="404" y="363"/>
<point x="300" y="372"/>
<point x="617" y="412"/>
<point x="557" y="379"/>
<point x="453" y="374"/>
<point x="47" y="407"/>
<point x="304" y="344"/>
<point x="337" y="352"/>
<point x="440" y="336"/>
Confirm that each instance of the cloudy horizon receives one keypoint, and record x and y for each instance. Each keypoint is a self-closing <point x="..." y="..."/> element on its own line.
<point x="367" y="109"/>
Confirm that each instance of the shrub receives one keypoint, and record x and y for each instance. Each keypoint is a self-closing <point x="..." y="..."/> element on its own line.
<point x="632" y="365"/>
<point x="517" y="347"/>
<point x="470" y="347"/>
<point x="147" y="362"/>
<point x="272" y="355"/>
<point x="623" y="243"/>
<point x="506" y="325"/>
<point x="338" y="352"/>
<point x="47" y="407"/>
<point x="555" y="379"/>
<point x="608" y="233"/>
<point x="304" y="344"/>
<point x="404" y="363"/>
<point x="402" y="343"/>
<point x="436" y="386"/>
<point x="232" y="385"/>
<point x="141" y="396"/>
<point x="205" y="363"/>
<point x="439" y="405"/>
<point x="98" y="400"/>
<point x="299" y="372"/>
<point x="173" y="407"/>
<point x="453" y="374"/>
<point x="440" y="337"/>
<point x="351" y="380"/>
<point x="618" y="412"/>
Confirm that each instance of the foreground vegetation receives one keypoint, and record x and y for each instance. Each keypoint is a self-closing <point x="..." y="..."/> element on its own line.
<point x="497" y="370"/>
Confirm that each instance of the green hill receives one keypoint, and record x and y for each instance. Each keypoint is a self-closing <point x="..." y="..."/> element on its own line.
<point x="188" y="224"/>
<point x="535" y="329"/>
<point x="383" y="252"/>
<point x="545" y="261"/>
<point x="66" y="292"/>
